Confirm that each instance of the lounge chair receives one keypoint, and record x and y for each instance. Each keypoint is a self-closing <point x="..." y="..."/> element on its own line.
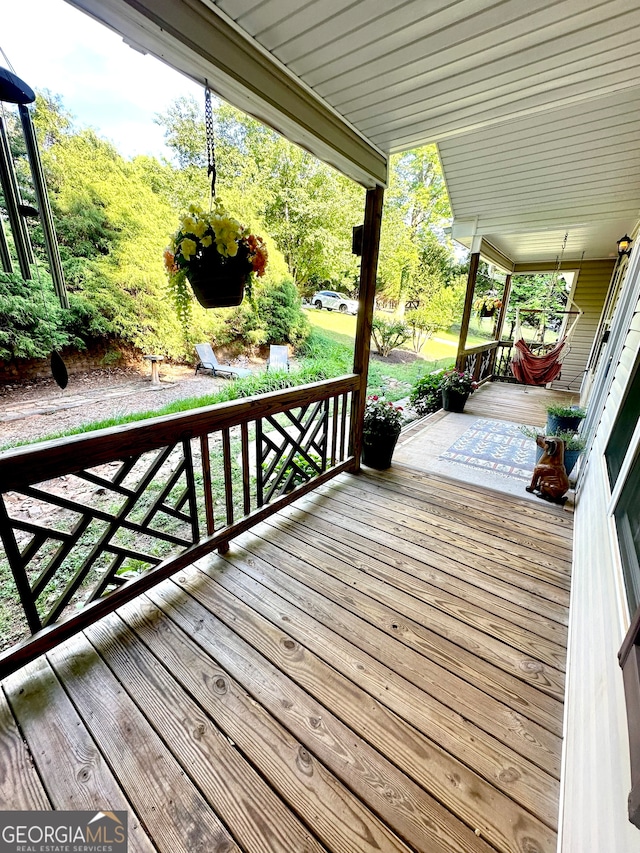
<point x="208" y="361"/>
<point x="278" y="358"/>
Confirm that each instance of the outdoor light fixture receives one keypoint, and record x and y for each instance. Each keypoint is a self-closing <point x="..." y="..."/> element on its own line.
<point x="624" y="245"/>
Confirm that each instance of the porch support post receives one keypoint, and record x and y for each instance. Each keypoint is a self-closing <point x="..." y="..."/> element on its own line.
<point x="502" y="315"/>
<point x="474" y="261"/>
<point x="503" y="311"/>
<point x="367" y="294"/>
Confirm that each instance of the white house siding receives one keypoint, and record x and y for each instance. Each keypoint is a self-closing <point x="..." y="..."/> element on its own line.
<point x="590" y="292"/>
<point x="596" y="779"/>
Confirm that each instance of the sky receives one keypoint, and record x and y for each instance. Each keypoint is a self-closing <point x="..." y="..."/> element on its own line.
<point x="104" y="83"/>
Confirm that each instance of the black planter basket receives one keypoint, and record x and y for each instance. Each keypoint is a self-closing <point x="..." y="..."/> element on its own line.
<point x="219" y="282"/>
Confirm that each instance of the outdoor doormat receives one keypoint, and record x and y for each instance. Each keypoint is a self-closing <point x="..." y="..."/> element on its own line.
<point x="495" y="446"/>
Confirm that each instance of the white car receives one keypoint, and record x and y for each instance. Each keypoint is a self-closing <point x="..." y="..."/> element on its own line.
<point x="333" y="301"/>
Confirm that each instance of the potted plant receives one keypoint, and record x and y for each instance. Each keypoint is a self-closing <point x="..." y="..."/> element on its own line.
<point x="382" y="424"/>
<point x="573" y="446"/>
<point x="563" y="418"/>
<point x="456" y="386"/>
<point x="216" y="255"/>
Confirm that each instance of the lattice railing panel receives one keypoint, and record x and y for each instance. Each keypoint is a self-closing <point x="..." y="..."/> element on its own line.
<point x="293" y="451"/>
<point x="75" y="537"/>
<point x="89" y="522"/>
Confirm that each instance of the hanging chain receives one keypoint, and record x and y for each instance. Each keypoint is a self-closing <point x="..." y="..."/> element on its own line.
<point x="556" y="273"/>
<point x="211" y="148"/>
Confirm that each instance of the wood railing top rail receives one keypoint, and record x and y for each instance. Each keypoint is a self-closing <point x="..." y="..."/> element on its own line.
<point x="480" y="348"/>
<point x="23" y="466"/>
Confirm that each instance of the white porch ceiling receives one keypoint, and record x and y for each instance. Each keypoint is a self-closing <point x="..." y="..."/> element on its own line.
<point x="533" y="103"/>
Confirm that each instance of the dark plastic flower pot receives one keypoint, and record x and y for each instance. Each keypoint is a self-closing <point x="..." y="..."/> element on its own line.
<point x="556" y="424"/>
<point x="219" y="282"/>
<point x="377" y="452"/>
<point x="453" y="401"/>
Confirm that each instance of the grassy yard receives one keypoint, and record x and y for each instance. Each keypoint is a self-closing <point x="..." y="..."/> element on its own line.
<point x="342" y="329"/>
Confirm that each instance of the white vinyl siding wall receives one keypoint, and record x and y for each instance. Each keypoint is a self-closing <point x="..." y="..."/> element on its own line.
<point x="596" y="776"/>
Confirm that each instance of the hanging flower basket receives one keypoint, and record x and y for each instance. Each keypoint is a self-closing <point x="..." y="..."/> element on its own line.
<point x="219" y="282"/>
<point x="216" y="255"/>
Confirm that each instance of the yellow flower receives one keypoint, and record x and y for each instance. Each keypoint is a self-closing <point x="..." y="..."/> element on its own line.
<point x="194" y="208"/>
<point x="232" y="248"/>
<point x="206" y="241"/>
<point x="199" y="227"/>
<point x="189" y="224"/>
<point x="188" y="247"/>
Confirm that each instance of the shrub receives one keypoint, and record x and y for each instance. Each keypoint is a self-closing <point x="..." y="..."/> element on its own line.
<point x="426" y="396"/>
<point x="388" y="334"/>
<point x="32" y="323"/>
<point x="280" y="314"/>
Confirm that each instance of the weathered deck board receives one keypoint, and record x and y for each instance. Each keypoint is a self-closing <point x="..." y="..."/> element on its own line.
<point x="526" y="540"/>
<point x="418" y="757"/>
<point x="383" y="530"/>
<point x="399" y="605"/>
<point x="490" y="503"/>
<point x="81" y="778"/>
<point x="350" y="678"/>
<point x="419" y="520"/>
<point x="452" y="589"/>
<point x="415" y="815"/>
<point x="523" y="404"/>
<point x="386" y="670"/>
<point x="20" y="786"/>
<point x="339" y="819"/>
<point x="227" y="781"/>
<point x="174" y="811"/>
<point x="461" y="544"/>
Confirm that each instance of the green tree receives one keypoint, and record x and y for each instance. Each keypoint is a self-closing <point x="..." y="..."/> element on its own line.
<point x="307" y="208"/>
<point x="416" y="207"/>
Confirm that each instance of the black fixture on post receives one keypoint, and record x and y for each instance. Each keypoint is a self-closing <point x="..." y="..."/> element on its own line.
<point x="624" y="246"/>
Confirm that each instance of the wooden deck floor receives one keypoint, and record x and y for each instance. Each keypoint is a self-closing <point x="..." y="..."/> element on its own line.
<point x="378" y="668"/>
<point x="523" y="404"/>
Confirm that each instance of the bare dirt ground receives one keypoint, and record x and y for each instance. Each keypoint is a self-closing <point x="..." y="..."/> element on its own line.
<point x="33" y="410"/>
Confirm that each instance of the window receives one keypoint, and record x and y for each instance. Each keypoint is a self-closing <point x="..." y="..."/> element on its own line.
<point x="623" y="430"/>
<point x="623" y="455"/>
<point x="627" y="515"/>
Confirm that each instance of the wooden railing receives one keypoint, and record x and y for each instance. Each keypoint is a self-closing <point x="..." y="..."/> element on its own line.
<point x="479" y="361"/>
<point x="90" y="522"/>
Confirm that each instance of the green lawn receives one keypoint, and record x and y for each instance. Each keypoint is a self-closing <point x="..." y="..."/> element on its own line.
<point x="342" y="329"/>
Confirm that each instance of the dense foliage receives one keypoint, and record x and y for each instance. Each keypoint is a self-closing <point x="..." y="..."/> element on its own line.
<point x="114" y="217"/>
<point x="426" y="395"/>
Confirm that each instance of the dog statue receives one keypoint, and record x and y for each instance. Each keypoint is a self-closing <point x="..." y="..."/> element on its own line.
<point x="550" y="476"/>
